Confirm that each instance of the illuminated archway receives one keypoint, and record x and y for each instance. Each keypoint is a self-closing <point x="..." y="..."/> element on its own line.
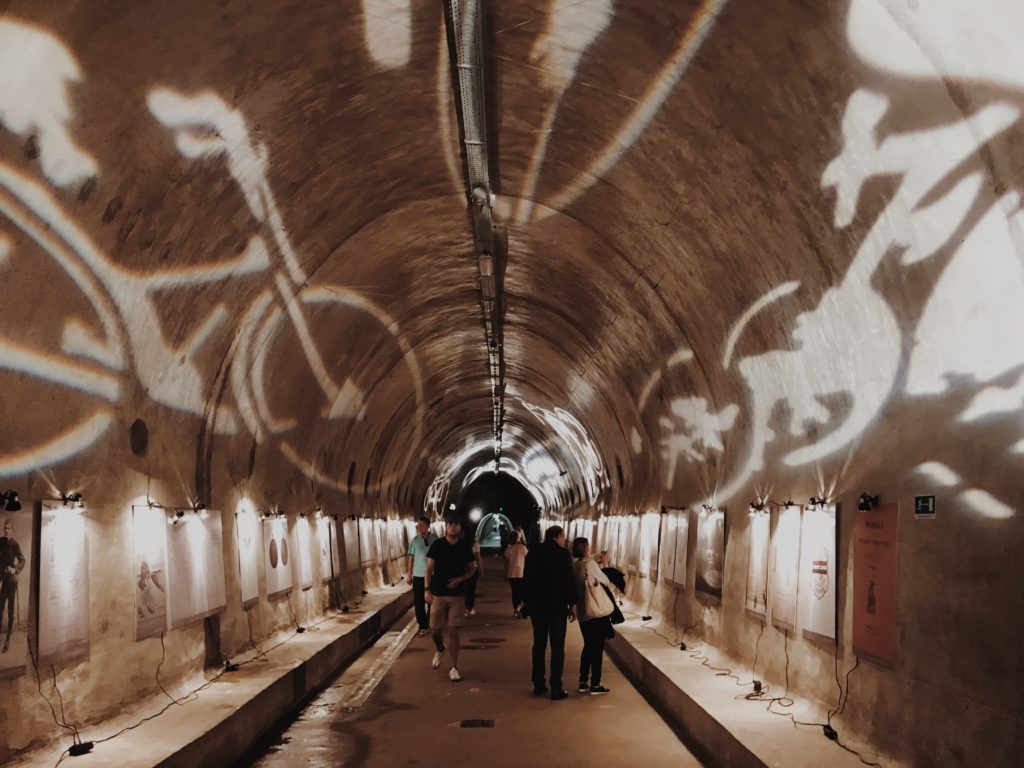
<point x="488" y="531"/>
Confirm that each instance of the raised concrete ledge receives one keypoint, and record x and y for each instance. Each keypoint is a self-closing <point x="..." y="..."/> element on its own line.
<point x="237" y="711"/>
<point x="720" y="726"/>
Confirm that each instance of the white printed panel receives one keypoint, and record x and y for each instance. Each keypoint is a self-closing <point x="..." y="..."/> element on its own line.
<point x="149" y="571"/>
<point x="350" y="534"/>
<point x="304" y="535"/>
<point x="367" y="543"/>
<point x="323" y="547"/>
<point x="276" y="556"/>
<point x="784" y="572"/>
<point x="819" y="587"/>
<point x="682" y="540"/>
<point x="16" y="552"/>
<point x="195" y="567"/>
<point x="247" y="526"/>
<point x="710" y="552"/>
<point x="63" y="584"/>
<point x="756" y="600"/>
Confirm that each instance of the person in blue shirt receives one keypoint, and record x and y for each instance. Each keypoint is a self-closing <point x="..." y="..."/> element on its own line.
<point x="416" y="568"/>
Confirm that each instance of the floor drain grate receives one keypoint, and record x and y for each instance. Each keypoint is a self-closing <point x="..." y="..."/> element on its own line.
<point x="477" y="724"/>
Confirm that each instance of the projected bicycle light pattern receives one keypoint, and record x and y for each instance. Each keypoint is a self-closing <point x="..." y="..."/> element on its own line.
<point x="127" y="335"/>
<point x="850" y="346"/>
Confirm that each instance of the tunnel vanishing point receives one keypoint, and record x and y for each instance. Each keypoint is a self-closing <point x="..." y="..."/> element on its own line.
<point x="735" y="288"/>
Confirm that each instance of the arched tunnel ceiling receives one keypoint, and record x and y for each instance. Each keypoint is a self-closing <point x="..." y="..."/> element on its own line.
<point x="738" y="232"/>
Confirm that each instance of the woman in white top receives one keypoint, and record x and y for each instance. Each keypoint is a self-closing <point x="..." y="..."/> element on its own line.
<point x="593" y="607"/>
<point x="515" y="553"/>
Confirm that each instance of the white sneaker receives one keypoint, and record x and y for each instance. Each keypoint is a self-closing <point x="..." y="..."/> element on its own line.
<point x="438" y="655"/>
<point x="471" y="612"/>
<point x="454" y="675"/>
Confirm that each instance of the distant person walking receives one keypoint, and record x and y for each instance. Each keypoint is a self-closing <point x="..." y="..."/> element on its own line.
<point x="594" y="608"/>
<point x="515" y="554"/>
<point x="416" y="567"/>
<point x="550" y="602"/>
<point x="450" y="564"/>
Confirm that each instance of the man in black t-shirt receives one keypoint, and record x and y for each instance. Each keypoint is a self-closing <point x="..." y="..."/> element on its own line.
<point x="450" y="564"/>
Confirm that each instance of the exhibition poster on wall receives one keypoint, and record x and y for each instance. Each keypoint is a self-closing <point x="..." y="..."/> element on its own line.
<point x="247" y="526"/>
<point x="195" y="567"/>
<point x="784" y="571"/>
<point x="629" y="542"/>
<point x="819" y="588"/>
<point x="149" y="572"/>
<point x="875" y="549"/>
<point x="367" y="548"/>
<point x="16" y="552"/>
<point x="276" y="559"/>
<point x="350" y="533"/>
<point x="380" y="539"/>
<point x="332" y="531"/>
<point x="756" y="601"/>
<point x="682" y="541"/>
<point x="710" y="552"/>
<point x="304" y="535"/>
<point x="323" y="546"/>
<point x="650" y="526"/>
<point x="63" y="584"/>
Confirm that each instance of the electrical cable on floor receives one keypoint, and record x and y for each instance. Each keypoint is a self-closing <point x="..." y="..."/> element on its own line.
<point x="163" y="656"/>
<point x="60" y="698"/>
<point x="252" y="640"/>
<point x="39" y="686"/>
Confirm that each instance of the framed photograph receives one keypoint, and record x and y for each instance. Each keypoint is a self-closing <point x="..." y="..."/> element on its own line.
<point x="247" y="528"/>
<point x="819" y="569"/>
<point x="304" y="536"/>
<point x="756" y="601"/>
<point x="710" y="552"/>
<point x="784" y="569"/>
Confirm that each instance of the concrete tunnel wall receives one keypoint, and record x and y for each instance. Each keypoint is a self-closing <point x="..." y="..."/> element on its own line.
<point x="755" y="250"/>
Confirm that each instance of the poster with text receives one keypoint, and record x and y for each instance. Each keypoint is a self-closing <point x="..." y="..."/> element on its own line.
<point x="350" y="534"/>
<point x="757" y="564"/>
<point x="875" y="549"/>
<point x="149" y="571"/>
<point x="247" y="527"/>
<point x="819" y="588"/>
<point x="710" y="552"/>
<point x="682" y="543"/>
<point x="63" y="584"/>
<point x="304" y="536"/>
<point x="323" y="547"/>
<point x="276" y="557"/>
<point x="195" y="567"/>
<point x="784" y="571"/>
<point x="16" y="552"/>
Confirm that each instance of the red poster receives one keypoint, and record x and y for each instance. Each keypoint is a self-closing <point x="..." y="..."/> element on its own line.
<point x="874" y="583"/>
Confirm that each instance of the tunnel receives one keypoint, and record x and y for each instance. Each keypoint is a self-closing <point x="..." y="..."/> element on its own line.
<point x="733" y="289"/>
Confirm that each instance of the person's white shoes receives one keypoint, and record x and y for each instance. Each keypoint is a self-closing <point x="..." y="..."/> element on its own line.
<point x="438" y="655"/>
<point x="471" y="612"/>
<point x="454" y="675"/>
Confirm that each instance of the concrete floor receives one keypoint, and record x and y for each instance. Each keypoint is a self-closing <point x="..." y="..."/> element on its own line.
<point x="413" y="716"/>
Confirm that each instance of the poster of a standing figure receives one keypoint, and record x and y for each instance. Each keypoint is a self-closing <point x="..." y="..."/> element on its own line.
<point x="63" y="584"/>
<point x="710" y="552"/>
<point x="15" y="567"/>
<point x="149" y="571"/>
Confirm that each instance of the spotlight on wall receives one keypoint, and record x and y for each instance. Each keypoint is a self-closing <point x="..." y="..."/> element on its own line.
<point x="10" y="501"/>
<point x="318" y="512"/>
<point x="816" y="501"/>
<point x="452" y="506"/>
<point x="757" y="506"/>
<point x="867" y="502"/>
<point x="474" y="516"/>
<point x="72" y="500"/>
<point x="176" y="516"/>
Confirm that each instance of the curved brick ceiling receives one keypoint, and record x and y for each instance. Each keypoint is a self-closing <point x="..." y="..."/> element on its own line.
<point x="710" y="266"/>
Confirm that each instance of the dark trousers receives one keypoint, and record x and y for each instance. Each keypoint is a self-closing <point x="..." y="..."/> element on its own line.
<point x="594" y="633"/>
<point x="8" y="593"/>
<point x="545" y="627"/>
<point x="471" y="592"/>
<point x="418" y="599"/>
<point x="517" y="592"/>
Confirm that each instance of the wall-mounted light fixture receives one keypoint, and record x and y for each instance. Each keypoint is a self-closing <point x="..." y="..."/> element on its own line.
<point x="10" y="501"/>
<point x="72" y="500"/>
<point x="867" y="502"/>
<point x="816" y="501"/>
<point x="177" y="516"/>
<point x="757" y="507"/>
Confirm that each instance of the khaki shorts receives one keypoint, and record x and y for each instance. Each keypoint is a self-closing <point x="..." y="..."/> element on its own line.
<point x="447" y="611"/>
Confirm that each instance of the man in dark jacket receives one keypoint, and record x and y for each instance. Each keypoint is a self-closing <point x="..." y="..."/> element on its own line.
<point x="550" y="600"/>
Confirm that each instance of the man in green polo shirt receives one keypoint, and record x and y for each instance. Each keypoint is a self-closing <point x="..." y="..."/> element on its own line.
<point x="416" y="567"/>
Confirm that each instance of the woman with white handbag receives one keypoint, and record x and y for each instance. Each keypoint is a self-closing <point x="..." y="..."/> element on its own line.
<point x="595" y="606"/>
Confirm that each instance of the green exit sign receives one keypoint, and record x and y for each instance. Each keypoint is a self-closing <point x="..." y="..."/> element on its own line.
<point x="924" y="506"/>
